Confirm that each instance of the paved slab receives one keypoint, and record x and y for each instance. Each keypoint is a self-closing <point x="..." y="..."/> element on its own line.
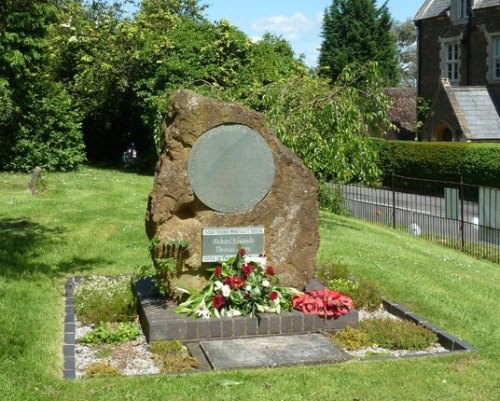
<point x="271" y="351"/>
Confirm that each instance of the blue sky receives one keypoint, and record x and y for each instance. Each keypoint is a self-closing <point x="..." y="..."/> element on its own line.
<point x="298" y="21"/>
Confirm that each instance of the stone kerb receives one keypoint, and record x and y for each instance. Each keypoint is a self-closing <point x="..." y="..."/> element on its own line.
<point x="288" y="212"/>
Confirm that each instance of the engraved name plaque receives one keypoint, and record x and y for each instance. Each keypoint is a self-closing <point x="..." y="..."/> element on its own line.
<point x="231" y="168"/>
<point x="220" y="244"/>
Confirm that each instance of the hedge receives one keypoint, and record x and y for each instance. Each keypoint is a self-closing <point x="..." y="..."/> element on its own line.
<point x="477" y="164"/>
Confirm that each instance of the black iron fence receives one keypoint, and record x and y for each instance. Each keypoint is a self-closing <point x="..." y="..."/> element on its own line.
<point x="457" y="215"/>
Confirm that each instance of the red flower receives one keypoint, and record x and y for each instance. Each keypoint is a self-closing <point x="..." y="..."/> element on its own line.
<point x="218" y="301"/>
<point x="218" y="271"/>
<point x="247" y="269"/>
<point x="270" y="271"/>
<point x="227" y="280"/>
<point x="311" y="307"/>
<point x="243" y="252"/>
<point x="236" y="282"/>
<point x="324" y="302"/>
<point x="273" y="296"/>
<point x="297" y="301"/>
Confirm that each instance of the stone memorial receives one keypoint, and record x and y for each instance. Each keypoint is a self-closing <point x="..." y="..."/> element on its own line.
<point x="222" y="168"/>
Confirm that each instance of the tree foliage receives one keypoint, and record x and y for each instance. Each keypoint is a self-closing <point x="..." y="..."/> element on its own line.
<point x="358" y="31"/>
<point x="38" y="123"/>
<point x="122" y="70"/>
<point x="406" y="36"/>
<point x="327" y="125"/>
<point x="69" y="67"/>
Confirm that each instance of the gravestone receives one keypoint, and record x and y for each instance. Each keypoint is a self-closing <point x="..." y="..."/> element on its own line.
<point x="35" y="176"/>
<point x="221" y="167"/>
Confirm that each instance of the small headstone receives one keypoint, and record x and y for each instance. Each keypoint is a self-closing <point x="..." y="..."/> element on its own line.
<point x="35" y="176"/>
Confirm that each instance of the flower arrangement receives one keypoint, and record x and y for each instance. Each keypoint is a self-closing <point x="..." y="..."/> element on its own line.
<point x="324" y="302"/>
<point x="241" y="286"/>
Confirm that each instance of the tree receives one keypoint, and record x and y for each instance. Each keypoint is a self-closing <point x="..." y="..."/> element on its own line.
<point x="121" y="71"/>
<point x="358" y="31"/>
<point x="38" y="124"/>
<point x="406" y="36"/>
<point x="327" y="126"/>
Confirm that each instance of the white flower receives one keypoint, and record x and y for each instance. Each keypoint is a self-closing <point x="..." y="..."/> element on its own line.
<point x="218" y="285"/>
<point x="202" y="310"/>
<point x="226" y="291"/>
<point x="233" y="312"/>
<point x="248" y="288"/>
<point x="265" y="283"/>
<point x="261" y="260"/>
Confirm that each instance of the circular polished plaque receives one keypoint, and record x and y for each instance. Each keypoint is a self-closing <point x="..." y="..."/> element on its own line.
<point x="231" y="168"/>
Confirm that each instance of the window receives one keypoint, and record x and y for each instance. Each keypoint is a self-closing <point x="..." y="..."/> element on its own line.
<point x="496" y="58"/>
<point x="460" y="10"/>
<point x="493" y="60"/>
<point x="463" y="9"/>
<point x="451" y="59"/>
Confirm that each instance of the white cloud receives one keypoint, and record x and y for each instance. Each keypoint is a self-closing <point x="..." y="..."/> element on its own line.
<point x="291" y="27"/>
<point x="302" y="32"/>
<point x="254" y="38"/>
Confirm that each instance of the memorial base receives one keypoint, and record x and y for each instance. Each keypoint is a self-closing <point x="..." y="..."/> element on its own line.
<point x="160" y="322"/>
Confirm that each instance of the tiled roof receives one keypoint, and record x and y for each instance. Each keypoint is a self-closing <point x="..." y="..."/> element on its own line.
<point x="435" y="8"/>
<point x="480" y="107"/>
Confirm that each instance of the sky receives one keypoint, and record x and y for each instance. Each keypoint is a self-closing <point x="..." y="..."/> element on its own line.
<point x="298" y="21"/>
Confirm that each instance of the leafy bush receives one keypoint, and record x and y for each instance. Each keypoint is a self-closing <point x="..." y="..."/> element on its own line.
<point x="173" y="357"/>
<point x="101" y="369"/>
<point x="364" y="294"/>
<point x="112" y="333"/>
<point x="47" y="132"/>
<point x="104" y="299"/>
<point x="397" y="334"/>
<point x="330" y="198"/>
<point x="478" y="164"/>
<point x="345" y="286"/>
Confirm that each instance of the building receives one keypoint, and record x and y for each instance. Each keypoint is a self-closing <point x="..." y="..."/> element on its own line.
<point x="459" y="69"/>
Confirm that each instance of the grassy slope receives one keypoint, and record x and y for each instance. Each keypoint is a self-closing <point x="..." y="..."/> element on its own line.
<point x="92" y="222"/>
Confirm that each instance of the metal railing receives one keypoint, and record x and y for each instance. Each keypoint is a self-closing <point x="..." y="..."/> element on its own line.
<point x="457" y="215"/>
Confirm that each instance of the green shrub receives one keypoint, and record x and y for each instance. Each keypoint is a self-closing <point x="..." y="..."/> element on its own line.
<point x="101" y="369"/>
<point x="46" y="133"/>
<point x="112" y="333"/>
<point x="478" y="164"/>
<point x="330" y="198"/>
<point x="343" y="285"/>
<point x="351" y="339"/>
<point x="366" y="296"/>
<point x="104" y="299"/>
<point x="173" y="357"/>
<point x="397" y="334"/>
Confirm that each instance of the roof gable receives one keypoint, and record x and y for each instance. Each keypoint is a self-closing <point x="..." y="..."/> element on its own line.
<point x="436" y="8"/>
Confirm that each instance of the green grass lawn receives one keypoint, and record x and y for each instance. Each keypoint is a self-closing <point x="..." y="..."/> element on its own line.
<point x="92" y="221"/>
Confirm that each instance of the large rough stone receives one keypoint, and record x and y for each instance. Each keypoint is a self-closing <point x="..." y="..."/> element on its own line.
<point x="289" y="212"/>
